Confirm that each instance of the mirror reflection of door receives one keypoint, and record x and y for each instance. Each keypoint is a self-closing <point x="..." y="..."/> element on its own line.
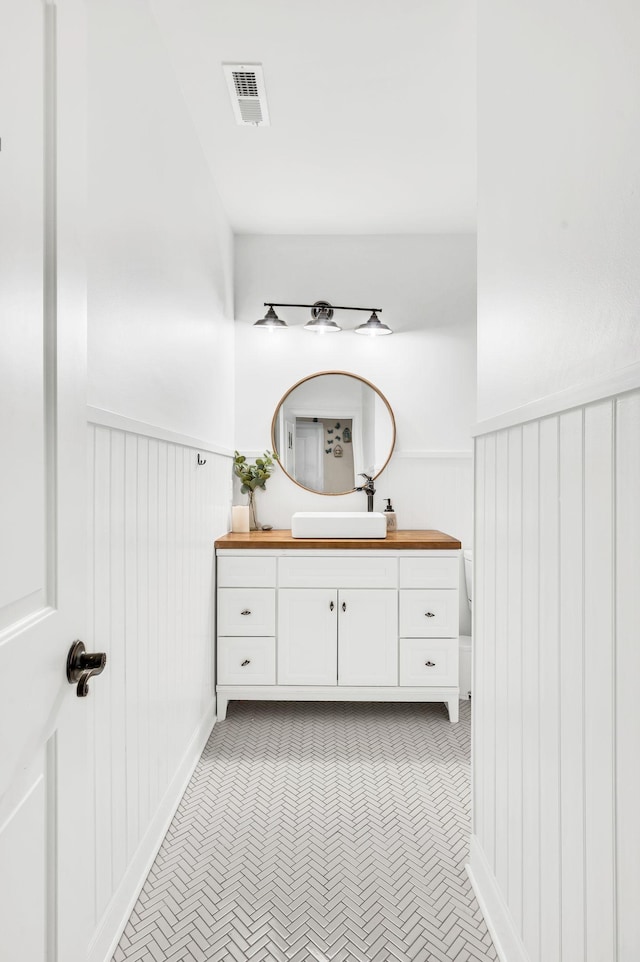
<point x="309" y="453"/>
<point x="336" y="474"/>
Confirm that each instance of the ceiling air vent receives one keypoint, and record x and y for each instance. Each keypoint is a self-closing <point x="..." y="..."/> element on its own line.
<point x="248" y="96"/>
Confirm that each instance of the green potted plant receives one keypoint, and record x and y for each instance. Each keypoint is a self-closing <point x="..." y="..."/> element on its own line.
<point x="253" y="476"/>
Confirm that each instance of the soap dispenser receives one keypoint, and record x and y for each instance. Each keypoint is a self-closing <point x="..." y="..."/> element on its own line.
<point x="390" y="515"/>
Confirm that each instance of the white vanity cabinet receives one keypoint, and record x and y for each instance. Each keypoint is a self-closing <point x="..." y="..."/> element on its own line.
<point x="336" y="624"/>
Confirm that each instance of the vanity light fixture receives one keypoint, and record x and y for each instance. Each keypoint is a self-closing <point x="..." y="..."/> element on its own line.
<point x="322" y="322"/>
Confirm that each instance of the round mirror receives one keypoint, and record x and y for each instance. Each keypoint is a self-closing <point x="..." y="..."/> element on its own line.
<point x="331" y="427"/>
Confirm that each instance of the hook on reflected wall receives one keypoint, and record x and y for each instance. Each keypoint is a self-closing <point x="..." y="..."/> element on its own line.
<point x="201" y="460"/>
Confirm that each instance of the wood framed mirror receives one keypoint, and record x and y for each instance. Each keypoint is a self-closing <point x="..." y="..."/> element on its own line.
<point x="330" y="427"/>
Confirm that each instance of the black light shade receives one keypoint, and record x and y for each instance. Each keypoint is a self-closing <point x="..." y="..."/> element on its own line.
<point x="322" y="325"/>
<point x="373" y="327"/>
<point x="321" y="319"/>
<point x="270" y="321"/>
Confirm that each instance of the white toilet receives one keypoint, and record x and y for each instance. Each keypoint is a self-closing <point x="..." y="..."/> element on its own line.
<point x="465" y="640"/>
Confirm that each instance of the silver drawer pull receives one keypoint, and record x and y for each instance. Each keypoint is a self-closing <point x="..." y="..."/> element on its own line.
<point x="246" y="662"/>
<point x="427" y="614"/>
<point x="430" y="664"/>
<point x="245" y="612"/>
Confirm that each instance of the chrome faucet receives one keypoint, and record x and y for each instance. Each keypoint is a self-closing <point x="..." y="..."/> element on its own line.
<point x="368" y="489"/>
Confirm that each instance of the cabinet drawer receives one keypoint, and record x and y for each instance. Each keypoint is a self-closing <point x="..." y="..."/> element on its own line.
<point x="246" y="572"/>
<point x="428" y="662"/>
<point x="432" y="613"/>
<point x="338" y="572"/>
<point x="246" y="661"/>
<point x="429" y="572"/>
<point x="246" y="611"/>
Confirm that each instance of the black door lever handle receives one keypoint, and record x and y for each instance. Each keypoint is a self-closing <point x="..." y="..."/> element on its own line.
<point x="83" y="665"/>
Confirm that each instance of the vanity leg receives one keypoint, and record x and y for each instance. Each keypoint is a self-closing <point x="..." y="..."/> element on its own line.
<point x="221" y="707"/>
<point x="453" y="706"/>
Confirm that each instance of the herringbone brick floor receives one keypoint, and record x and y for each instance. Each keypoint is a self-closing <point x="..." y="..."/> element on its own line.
<point x="318" y="832"/>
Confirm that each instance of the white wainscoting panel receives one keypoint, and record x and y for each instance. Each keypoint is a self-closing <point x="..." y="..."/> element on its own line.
<point x="555" y="854"/>
<point x="627" y="673"/>
<point x="155" y="516"/>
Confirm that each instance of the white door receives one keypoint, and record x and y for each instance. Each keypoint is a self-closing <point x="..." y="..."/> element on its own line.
<point x="307" y="636"/>
<point x="309" y="445"/>
<point x="44" y="851"/>
<point x="367" y="637"/>
<point x="288" y="446"/>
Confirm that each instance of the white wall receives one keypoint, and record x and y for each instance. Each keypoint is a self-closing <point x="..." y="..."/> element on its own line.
<point x="160" y="247"/>
<point x="160" y="290"/>
<point x="426" y="286"/>
<point x="559" y="196"/>
<point x="426" y="369"/>
<point x="556" y="714"/>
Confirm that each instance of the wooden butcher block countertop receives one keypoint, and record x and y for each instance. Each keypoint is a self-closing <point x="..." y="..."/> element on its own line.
<point x="395" y="540"/>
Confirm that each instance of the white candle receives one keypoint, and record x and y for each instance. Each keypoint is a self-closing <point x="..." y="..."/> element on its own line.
<point x="240" y="517"/>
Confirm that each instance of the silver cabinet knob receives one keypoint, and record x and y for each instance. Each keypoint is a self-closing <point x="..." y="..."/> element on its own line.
<point x="245" y="612"/>
<point x="429" y="614"/>
<point x="246" y="662"/>
<point x="430" y="664"/>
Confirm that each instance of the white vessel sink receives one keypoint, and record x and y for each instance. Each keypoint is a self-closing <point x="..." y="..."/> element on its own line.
<point x="338" y="524"/>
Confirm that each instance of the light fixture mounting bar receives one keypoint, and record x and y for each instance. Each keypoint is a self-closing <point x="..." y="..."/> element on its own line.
<point x="334" y="307"/>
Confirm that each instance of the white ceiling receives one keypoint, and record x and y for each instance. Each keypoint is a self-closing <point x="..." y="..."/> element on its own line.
<point x="372" y="106"/>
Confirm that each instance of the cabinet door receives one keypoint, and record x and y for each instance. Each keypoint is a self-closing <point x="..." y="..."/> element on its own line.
<point x="368" y="637"/>
<point x="307" y="636"/>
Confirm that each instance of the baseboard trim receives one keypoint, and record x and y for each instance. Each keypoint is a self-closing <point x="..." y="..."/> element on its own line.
<point x="502" y="930"/>
<point x="115" y="918"/>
